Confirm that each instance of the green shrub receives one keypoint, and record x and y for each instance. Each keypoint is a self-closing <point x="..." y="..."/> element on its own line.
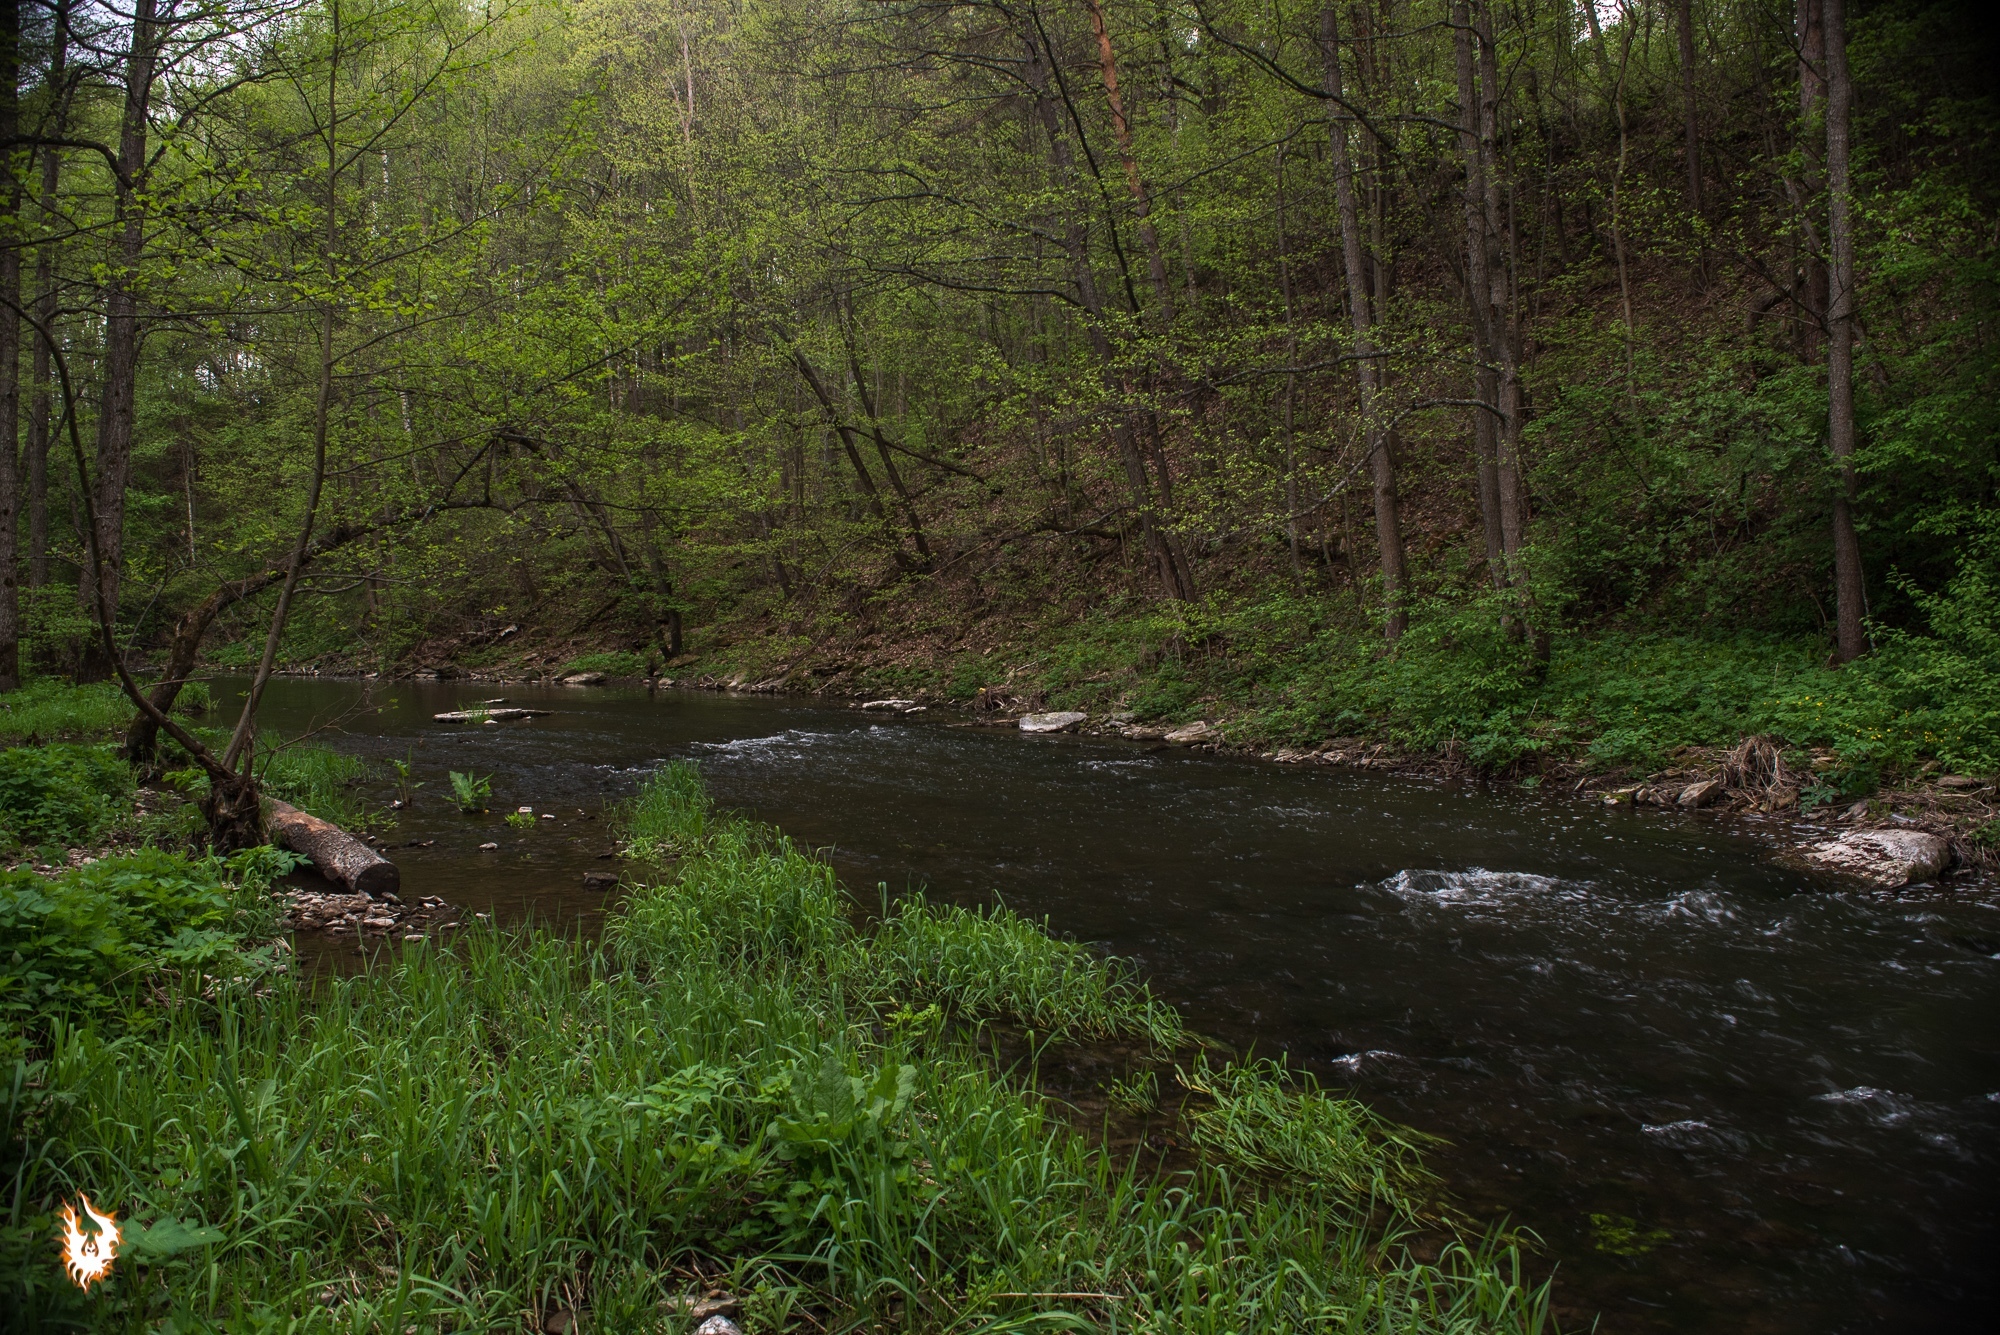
<point x="317" y="779"/>
<point x="76" y="944"/>
<point x="612" y="664"/>
<point x="63" y="794"/>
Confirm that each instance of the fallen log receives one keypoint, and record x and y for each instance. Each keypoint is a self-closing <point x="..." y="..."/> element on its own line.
<point x="340" y="857"/>
<point x="488" y="715"/>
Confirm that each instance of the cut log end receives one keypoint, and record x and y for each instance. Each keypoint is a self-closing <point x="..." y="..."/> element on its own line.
<point x="340" y="857"/>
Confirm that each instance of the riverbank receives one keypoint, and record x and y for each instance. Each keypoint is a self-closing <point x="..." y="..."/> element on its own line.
<point x="737" y="1098"/>
<point x="1907" y="740"/>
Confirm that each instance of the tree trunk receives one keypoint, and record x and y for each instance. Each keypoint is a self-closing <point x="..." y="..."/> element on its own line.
<point x="1175" y="581"/>
<point x="1850" y="638"/>
<point x="10" y="356"/>
<point x="1478" y="293"/>
<point x="1811" y="292"/>
<point x="1121" y="130"/>
<point x="121" y="314"/>
<point x="1690" y="116"/>
<point x="45" y="315"/>
<point x="1381" y="460"/>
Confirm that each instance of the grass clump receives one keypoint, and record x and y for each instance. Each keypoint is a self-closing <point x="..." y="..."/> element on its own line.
<point x="467" y="1141"/>
<point x="993" y="962"/>
<point x="49" y="709"/>
<point x="1267" y="1118"/>
<point x="611" y="664"/>
<point x="671" y="814"/>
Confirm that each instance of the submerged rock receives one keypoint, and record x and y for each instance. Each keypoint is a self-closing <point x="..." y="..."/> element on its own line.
<point x="1888" y="858"/>
<point x="1061" y="720"/>
<point x="600" y="880"/>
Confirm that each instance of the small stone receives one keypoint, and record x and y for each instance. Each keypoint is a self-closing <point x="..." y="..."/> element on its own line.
<point x="1700" y="794"/>
<point x="718" y="1325"/>
<point x="488" y="848"/>
<point x="378" y="924"/>
<point x="1059" y="721"/>
<point x="547" y="816"/>
<point x="524" y="811"/>
<point x="1620" y="797"/>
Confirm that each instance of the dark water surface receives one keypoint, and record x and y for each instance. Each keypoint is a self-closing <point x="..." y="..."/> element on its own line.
<point x="1728" y="1096"/>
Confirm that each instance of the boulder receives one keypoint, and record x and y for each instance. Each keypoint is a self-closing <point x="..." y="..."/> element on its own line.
<point x="1193" y="732"/>
<point x="584" y="679"/>
<point x="1701" y="794"/>
<point x="600" y="880"/>
<point x="1059" y="721"/>
<point x="1888" y="858"/>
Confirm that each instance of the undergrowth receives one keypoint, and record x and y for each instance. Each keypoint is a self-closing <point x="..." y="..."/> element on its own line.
<point x="470" y="1140"/>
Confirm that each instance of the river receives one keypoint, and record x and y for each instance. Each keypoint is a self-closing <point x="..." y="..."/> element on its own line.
<point x="1727" y="1095"/>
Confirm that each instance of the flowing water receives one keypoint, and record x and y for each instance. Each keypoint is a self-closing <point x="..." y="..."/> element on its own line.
<point x="1727" y="1096"/>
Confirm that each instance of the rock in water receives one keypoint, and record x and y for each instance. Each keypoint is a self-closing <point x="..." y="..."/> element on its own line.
<point x="483" y="715"/>
<point x="900" y="706"/>
<point x="584" y="679"/>
<point x="600" y="880"/>
<point x="1060" y="721"/>
<point x="1889" y="858"/>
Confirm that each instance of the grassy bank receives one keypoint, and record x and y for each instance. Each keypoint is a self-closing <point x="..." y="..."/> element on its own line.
<point x="736" y="1086"/>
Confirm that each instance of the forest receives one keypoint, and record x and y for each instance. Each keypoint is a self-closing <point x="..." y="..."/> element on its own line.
<point x="1515" y="380"/>
<point x="1501" y="390"/>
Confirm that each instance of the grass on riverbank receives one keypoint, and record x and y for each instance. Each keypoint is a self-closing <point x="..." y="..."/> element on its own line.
<point x="736" y="1082"/>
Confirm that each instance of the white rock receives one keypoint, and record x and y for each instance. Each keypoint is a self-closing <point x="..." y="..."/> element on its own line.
<point x="1060" y="721"/>
<point x="488" y="848"/>
<point x="1193" y="732"/>
<point x="1889" y="858"/>
<point x="584" y="679"/>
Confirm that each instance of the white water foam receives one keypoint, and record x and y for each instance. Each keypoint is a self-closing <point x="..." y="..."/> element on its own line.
<point x="1475" y="886"/>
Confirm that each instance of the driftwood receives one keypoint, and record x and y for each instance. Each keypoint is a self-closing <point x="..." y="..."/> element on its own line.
<point x="488" y="715"/>
<point x="340" y="857"/>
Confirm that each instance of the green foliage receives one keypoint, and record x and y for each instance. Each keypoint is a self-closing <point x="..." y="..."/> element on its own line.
<point x="533" y="1115"/>
<point x="471" y="791"/>
<point x="316" y="779"/>
<point x="1267" y="1118"/>
<point x="671" y="814"/>
<point x="87" y="942"/>
<point x="992" y="962"/>
<point x="50" y="709"/>
<point x="518" y="820"/>
<point x="612" y="664"/>
<point x="65" y="794"/>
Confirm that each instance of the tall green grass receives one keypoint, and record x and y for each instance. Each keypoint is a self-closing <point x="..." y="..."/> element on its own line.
<point x="463" y="1141"/>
